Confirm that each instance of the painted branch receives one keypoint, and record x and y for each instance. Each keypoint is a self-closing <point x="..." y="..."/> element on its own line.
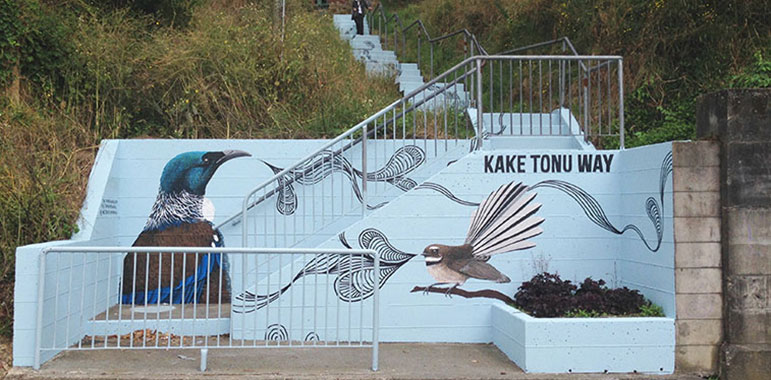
<point x="484" y="293"/>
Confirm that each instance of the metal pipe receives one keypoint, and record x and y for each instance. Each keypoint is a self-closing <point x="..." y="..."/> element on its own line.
<point x="431" y="75"/>
<point x="480" y="132"/>
<point x="364" y="172"/>
<point x="621" y="101"/>
<point x="376" y="311"/>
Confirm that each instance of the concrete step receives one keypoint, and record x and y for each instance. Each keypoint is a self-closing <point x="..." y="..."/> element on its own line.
<point x="413" y="84"/>
<point x="407" y="87"/>
<point x="441" y="100"/>
<point x="380" y="68"/>
<point x="409" y="77"/>
<point x="366" y="37"/>
<point x="374" y="55"/>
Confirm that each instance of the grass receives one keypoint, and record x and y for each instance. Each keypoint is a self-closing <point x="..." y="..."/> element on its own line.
<point x="119" y="73"/>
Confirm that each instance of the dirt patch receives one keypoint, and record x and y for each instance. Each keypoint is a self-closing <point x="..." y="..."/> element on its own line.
<point x="5" y="356"/>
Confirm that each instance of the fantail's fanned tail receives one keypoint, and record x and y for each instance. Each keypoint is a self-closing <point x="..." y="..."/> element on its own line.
<point x="504" y="222"/>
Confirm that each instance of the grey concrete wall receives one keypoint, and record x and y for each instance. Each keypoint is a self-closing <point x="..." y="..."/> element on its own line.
<point x="698" y="274"/>
<point x="740" y="120"/>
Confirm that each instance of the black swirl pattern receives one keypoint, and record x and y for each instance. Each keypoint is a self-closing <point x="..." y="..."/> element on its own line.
<point x="446" y="192"/>
<point x="312" y="337"/>
<point x="403" y="161"/>
<point x="594" y="211"/>
<point x="355" y="273"/>
<point x="276" y="332"/>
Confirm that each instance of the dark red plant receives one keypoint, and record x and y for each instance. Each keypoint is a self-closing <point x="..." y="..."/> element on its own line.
<point x="546" y="295"/>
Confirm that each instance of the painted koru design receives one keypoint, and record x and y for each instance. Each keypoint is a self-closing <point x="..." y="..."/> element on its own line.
<point x="402" y="162"/>
<point x="354" y="281"/>
<point x="279" y="333"/>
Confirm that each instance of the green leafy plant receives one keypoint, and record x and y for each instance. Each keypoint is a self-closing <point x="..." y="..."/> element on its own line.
<point x="650" y="309"/>
<point x="581" y="313"/>
<point x="756" y="75"/>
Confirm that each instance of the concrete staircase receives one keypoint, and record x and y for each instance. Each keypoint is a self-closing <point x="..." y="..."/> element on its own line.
<point x="367" y="48"/>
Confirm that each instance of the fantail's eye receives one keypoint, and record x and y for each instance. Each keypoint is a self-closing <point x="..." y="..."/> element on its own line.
<point x="433" y="249"/>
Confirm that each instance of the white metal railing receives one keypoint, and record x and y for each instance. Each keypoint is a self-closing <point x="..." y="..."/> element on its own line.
<point x="80" y="291"/>
<point x="364" y="167"/>
<point x="594" y="126"/>
<point x="371" y="163"/>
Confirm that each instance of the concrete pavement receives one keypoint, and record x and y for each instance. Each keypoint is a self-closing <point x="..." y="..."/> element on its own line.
<point x="397" y="361"/>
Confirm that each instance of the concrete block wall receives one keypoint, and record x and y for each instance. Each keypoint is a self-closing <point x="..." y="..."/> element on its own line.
<point x="740" y="121"/>
<point x="698" y="273"/>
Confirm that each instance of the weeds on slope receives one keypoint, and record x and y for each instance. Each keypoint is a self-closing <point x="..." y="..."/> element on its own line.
<point x="76" y="72"/>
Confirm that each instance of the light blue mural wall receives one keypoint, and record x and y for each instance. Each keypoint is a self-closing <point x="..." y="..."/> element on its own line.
<point x="122" y="188"/>
<point x="125" y="182"/>
<point x="639" y="267"/>
<point x="571" y="244"/>
<point x="139" y="164"/>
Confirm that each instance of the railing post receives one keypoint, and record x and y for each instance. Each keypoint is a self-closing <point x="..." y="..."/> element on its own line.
<point x="364" y="172"/>
<point x="244" y="220"/>
<point x="419" y="49"/>
<point x="385" y="35"/>
<point x="404" y="44"/>
<point x="562" y="77"/>
<point x="585" y="85"/>
<point x="396" y="44"/>
<point x="431" y="76"/>
<point x="621" y="101"/>
<point x="376" y="312"/>
<point x="204" y="355"/>
<point x="480" y="127"/>
<point x="39" y="316"/>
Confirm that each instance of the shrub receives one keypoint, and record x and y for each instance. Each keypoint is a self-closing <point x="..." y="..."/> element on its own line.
<point x="547" y="295"/>
<point x="595" y="296"/>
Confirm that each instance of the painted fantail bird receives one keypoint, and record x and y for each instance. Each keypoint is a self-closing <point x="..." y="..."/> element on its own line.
<point x="503" y="222"/>
<point x="178" y="219"/>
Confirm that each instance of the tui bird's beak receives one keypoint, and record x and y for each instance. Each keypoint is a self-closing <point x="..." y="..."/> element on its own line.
<point x="231" y="154"/>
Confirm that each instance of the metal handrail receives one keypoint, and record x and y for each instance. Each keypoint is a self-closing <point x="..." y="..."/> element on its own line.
<point x="358" y="127"/>
<point x="567" y="44"/>
<point x="205" y="344"/>
<point x="289" y="173"/>
<point x="480" y="50"/>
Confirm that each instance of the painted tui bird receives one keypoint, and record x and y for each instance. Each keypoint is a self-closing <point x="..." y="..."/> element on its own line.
<point x="177" y="220"/>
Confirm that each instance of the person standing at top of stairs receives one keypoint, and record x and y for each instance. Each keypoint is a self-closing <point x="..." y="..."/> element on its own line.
<point x="359" y="8"/>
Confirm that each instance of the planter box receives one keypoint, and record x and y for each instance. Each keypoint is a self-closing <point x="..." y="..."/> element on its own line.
<point x="559" y="345"/>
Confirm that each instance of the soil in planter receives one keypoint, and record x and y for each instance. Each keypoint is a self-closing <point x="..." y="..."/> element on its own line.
<point x="546" y="295"/>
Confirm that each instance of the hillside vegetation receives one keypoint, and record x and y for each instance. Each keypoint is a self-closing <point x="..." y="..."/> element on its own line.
<point x="673" y="51"/>
<point x="73" y="72"/>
